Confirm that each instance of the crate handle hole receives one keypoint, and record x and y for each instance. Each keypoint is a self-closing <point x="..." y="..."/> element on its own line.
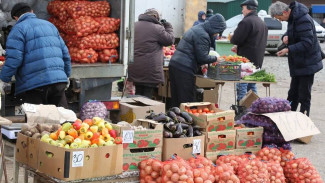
<point x="107" y="155"/>
<point x="250" y="133"/>
<point x="87" y="157"/>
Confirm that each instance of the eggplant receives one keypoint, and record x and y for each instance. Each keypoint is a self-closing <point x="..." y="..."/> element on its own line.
<point x="176" y="110"/>
<point x="180" y="119"/>
<point x="187" y="117"/>
<point x="179" y="131"/>
<point x="197" y="133"/>
<point x="151" y="115"/>
<point x="161" y="117"/>
<point x="172" y="115"/>
<point x="168" y="134"/>
<point x="184" y="126"/>
<point x="189" y="131"/>
<point x="170" y="126"/>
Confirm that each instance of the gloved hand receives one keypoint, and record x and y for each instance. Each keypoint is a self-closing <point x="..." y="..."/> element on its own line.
<point x="2" y="86"/>
<point x="68" y="84"/>
<point x="165" y="23"/>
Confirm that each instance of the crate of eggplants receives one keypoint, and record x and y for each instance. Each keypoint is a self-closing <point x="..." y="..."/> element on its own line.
<point x="177" y="124"/>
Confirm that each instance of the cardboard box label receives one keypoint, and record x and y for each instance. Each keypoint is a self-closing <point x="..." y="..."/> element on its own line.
<point x="249" y="138"/>
<point x="128" y="136"/>
<point x="132" y="157"/>
<point x="196" y="146"/>
<point x="293" y="125"/>
<point x="220" y="141"/>
<point x="77" y="159"/>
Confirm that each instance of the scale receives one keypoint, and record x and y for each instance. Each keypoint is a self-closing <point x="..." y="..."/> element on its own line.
<point x="11" y="131"/>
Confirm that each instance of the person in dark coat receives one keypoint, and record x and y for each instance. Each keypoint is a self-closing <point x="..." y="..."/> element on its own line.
<point x="38" y="58"/>
<point x="249" y="41"/>
<point x="201" y="18"/>
<point x="192" y="52"/>
<point x="304" y="52"/>
<point x="149" y="38"/>
<point x="209" y="13"/>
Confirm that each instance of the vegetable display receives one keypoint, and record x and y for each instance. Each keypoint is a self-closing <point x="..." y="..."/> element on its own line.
<point x="261" y="75"/>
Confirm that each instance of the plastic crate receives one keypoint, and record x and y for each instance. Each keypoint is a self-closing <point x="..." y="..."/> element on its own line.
<point x="227" y="72"/>
<point x="223" y="47"/>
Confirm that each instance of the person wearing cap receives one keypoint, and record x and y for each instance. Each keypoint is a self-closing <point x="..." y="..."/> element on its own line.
<point x="249" y="41"/>
<point x="192" y="52"/>
<point x="303" y="49"/>
<point x="209" y="13"/>
<point x="38" y="58"/>
<point x="150" y="35"/>
<point x="201" y="18"/>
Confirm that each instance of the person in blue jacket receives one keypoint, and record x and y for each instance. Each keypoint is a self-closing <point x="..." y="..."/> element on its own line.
<point x="201" y="18"/>
<point x="38" y="58"/>
<point x="303" y="49"/>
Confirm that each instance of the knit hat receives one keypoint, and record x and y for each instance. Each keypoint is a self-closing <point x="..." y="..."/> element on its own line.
<point x="152" y="12"/>
<point x="19" y="9"/>
<point x="217" y="23"/>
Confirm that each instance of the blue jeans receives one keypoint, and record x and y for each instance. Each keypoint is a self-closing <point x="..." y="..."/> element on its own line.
<point x="243" y="88"/>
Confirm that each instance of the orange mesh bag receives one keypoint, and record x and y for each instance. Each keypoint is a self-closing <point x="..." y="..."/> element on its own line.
<point x="269" y="154"/>
<point x="83" y="55"/>
<point x="71" y="40"/>
<point x="203" y="169"/>
<point x="106" y="54"/>
<point x="253" y="171"/>
<point x="301" y="170"/>
<point x="224" y="173"/>
<point x="276" y="172"/>
<point x="57" y="23"/>
<point x="88" y="8"/>
<point x="231" y="160"/>
<point x="99" y="41"/>
<point x="286" y="155"/>
<point x="107" y="24"/>
<point x="58" y="9"/>
<point x="82" y="26"/>
<point x="177" y="170"/>
<point x="150" y="171"/>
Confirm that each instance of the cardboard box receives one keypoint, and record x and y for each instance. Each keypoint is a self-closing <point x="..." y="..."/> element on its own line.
<point x="70" y="164"/>
<point x="246" y="151"/>
<point x="249" y="138"/>
<point x="305" y="140"/>
<point x="248" y="99"/>
<point x="202" y="82"/>
<point x="27" y="150"/>
<point x="219" y="121"/>
<point x="151" y="137"/>
<point x="183" y="147"/>
<point x="220" y="141"/>
<point x="164" y="90"/>
<point x="213" y="156"/>
<point x="138" y="108"/>
<point x="211" y="95"/>
<point x="294" y="125"/>
<point x="132" y="157"/>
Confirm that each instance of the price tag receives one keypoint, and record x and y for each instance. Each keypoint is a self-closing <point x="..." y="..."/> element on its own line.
<point x="29" y="107"/>
<point x="196" y="146"/>
<point x="77" y="159"/>
<point x="128" y="136"/>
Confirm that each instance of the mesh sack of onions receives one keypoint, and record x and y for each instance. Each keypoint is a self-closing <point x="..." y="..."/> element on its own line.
<point x="93" y="109"/>
<point x="230" y="160"/>
<point x="81" y="26"/>
<point x="107" y="24"/>
<point x="269" y="154"/>
<point x="224" y="173"/>
<point x="276" y="172"/>
<point x="88" y="8"/>
<point x="253" y="171"/>
<point x="107" y="55"/>
<point x="269" y="105"/>
<point x="177" y="170"/>
<point x="150" y="171"/>
<point x="83" y="55"/>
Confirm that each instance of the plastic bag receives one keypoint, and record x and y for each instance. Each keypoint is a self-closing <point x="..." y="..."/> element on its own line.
<point x="83" y="55"/>
<point x="150" y="170"/>
<point x="107" y="55"/>
<point x="301" y="170"/>
<point x="107" y="24"/>
<point x="253" y="171"/>
<point x="177" y="170"/>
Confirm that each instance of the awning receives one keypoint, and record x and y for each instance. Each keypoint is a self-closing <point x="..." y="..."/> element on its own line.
<point x="320" y="8"/>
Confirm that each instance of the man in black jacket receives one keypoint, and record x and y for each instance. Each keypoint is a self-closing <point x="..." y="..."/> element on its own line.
<point x="192" y="52"/>
<point x="250" y="41"/>
<point x="304" y="52"/>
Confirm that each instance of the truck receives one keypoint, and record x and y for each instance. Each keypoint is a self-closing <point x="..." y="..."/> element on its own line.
<point x="94" y="81"/>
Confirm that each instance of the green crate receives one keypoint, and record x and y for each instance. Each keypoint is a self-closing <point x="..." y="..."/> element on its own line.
<point x="223" y="47"/>
<point x="227" y="72"/>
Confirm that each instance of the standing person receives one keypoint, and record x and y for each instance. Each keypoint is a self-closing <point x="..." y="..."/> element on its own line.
<point x="249" y="41"/>
<point x="201" y="18"/>
<point x="38" y="58"/>
<point x="303" y="49"/>
<point x="209" y="13"/>
<point x="192" y="52"/>
<point x="150" y="36"/>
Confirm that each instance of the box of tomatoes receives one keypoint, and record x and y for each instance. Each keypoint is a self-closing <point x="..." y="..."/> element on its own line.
<point x="209" y="117"/>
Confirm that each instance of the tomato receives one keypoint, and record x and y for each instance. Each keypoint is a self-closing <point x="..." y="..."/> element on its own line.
<point x="199" y="110"/>
<point x="206" y="110"/>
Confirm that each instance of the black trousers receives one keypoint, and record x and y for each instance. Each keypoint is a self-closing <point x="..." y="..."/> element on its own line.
<point x="49" y="94"/>
<point x="144" y="90"/>
<point x="182" y="86"/>
<point x="300" y="92"/>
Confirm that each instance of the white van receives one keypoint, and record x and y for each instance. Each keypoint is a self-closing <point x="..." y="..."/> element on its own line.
<point x="276" y="29"/>
<point x="320" y="31"/>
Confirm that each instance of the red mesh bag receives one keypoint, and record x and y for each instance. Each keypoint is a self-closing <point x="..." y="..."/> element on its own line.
<point x="77" y="9"/>
<point x="71" y="40"/>
<point x="57" y="23"/>
<point x="269" y="154"/>
<point x="230" y="160"/>
<point x="83" y="55"/>
<point x="106" y="54"/>
<point x="224" y="173"/>
<point x="286" y="155"/>
<point x="82" y="26"/>
<point x="150" y="170"/>
<point x="203" y="170"/>
<point x="58" y="9"/>
<point x="276" y="172"/>
<point x="253" y="171"/>
<point x="300" y="171"/>
<point x="107" y="24"/>
<point x="199" y="161"/>
<point x="177" y="170"/>
<point x="99" y="41"/>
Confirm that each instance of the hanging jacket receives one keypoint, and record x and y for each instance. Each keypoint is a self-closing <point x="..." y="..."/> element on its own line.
<point x="35" y="54"/>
